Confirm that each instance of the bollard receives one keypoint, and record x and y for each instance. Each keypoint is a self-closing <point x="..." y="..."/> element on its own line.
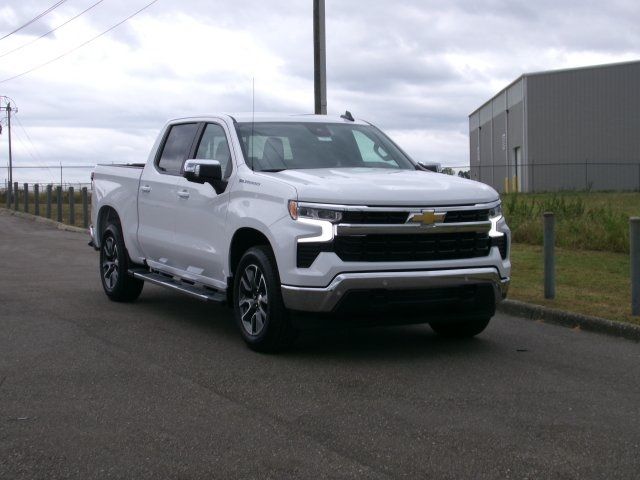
<point x="36" y="198"/>
<point x="59" y="201"/>
<point x="26" y="198"/>
<point x="634" y="249"/>
<point x="85" y="208"/>
<point x="49" y="188"/>
<point x="72" y="206"/>
<point x="549" y="256"/>
<point x="15" y="195"/>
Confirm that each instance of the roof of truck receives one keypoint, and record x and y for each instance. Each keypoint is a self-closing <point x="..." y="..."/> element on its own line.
<point x="275" y="117"/>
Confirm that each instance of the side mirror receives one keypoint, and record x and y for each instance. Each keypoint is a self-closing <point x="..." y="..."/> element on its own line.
<point x="431" y="167"/>
<point x="203" y="171"/>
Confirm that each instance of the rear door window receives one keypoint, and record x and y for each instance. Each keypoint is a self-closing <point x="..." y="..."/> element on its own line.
<point x="177" y="148"/>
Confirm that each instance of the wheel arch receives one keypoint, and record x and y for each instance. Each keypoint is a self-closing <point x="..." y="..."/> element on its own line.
<point x="243" y="239"/>
<point x="106" y="214"/>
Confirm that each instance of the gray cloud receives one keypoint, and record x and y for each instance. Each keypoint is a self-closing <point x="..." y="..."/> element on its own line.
<point x="416" y="67"/>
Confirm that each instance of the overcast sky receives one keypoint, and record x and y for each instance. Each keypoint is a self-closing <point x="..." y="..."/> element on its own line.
<point x="416" y="68"/>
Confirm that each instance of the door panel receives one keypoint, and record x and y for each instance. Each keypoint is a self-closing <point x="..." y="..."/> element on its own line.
<point x="201" y="229"/>
<point x="201" y="232"/>
<point x="158" y="195"/>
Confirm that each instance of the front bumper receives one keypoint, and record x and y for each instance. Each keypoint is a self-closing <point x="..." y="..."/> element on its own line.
<point x="326" y="299"/>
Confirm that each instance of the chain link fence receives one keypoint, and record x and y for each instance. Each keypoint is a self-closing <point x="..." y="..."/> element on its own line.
<point x="556" y="176"/>
<point x="65" y="176"/>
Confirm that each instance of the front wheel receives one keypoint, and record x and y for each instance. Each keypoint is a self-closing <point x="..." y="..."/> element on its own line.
<point x="258" y="307"/>
<point x="460" y="328"/>
<point x="114" y="265"/>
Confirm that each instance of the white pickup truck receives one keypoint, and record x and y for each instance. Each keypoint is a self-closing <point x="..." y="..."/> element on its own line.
<point x="289" y="219"/>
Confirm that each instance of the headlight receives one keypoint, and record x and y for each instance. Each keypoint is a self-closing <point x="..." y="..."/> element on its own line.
<point x="496" y="212"/>
<point x="297" y="210"/>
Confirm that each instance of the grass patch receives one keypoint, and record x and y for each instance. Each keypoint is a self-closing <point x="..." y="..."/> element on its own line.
<point x="66" y="218"/>
<point x="587" y="282"/>
<point x="584" y="220"/>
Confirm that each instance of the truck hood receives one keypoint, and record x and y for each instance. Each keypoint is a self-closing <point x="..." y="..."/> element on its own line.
<point x="384" y="187"/>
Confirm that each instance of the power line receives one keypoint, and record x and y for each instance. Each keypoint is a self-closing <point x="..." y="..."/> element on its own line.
<point x="36" y="18"/>
<point x="54" y="166"/>
<point x="53" y="29"/>
<point x="79" y="46"/>
<point x="26" y="149"/>
<point x="24" y="130"/>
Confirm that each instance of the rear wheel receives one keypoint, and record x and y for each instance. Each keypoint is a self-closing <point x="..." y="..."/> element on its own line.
<point x="258" y="307"/>
<point x="114" y="266"/>
<point x="460" y="328"/>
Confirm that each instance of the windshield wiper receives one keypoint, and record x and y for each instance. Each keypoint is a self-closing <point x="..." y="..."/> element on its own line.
<point x="271" y="170"/>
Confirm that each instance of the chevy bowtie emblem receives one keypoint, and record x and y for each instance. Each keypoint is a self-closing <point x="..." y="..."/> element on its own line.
<point x="427" y="217"/>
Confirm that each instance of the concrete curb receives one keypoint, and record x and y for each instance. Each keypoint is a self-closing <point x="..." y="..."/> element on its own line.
<point x="35" y="218"/>
<point x="570" y="319"/>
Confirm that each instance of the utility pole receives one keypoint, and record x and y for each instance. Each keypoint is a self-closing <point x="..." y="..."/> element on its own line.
<point x="319" y="58"/>
<point x="7" y="106"/>
<point x="10" y="156"/>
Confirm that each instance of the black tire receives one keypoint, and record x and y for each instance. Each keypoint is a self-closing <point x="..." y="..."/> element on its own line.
<point x="114" y="265"/>
<point x="460" y="328"/>
<point x="257" y="302"/>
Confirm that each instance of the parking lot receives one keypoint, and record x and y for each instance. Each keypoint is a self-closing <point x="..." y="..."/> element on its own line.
<point x="165" y="388"/>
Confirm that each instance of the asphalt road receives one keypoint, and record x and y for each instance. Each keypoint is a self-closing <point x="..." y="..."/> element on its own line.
<point x="165" y="388"/>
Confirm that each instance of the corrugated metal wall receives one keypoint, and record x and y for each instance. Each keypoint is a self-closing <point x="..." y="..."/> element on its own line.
<point x="584" y="128"/>
<point x="494" y="132"/>
<point x="577" y="129"/>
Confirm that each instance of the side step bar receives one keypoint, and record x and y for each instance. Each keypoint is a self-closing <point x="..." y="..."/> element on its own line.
<point x="201" y="293"/>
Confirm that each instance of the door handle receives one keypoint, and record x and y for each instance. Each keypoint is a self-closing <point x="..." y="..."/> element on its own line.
<point x="145" y="188"/>
<point x="183" y="193"/>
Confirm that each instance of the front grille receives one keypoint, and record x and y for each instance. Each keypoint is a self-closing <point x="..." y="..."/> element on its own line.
<point x="403" y="247"/>
<point x="395" y="218"/>
<point x="384" y="218"/>
<point x="455" y="216"/>
<point x="407" y="248"/>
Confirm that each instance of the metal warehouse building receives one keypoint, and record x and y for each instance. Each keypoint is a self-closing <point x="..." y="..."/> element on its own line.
<point x="576" y="129"/>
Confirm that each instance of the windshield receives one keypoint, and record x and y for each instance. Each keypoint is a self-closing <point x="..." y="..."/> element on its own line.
<point x="270" y="146"/>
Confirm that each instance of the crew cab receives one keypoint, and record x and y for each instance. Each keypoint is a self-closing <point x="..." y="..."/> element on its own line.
<point x="294" y="218"/>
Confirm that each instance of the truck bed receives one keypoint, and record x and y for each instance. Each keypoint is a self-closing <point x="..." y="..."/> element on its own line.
<point x="117" y="186"/>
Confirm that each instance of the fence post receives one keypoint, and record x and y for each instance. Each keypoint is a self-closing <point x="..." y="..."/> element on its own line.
<point x="72" y="206"/>
<point x="85" y="208"/>
<point x="15" y="196"/>
<point x="26" y="198"/>
<point x="49" y="188"/>
<point x="549" y="256"/>
<point x="9" y="194"/>
<point x="634" y="238"/>
<point x="36" y="197"/>
<point x="59" y="200"/>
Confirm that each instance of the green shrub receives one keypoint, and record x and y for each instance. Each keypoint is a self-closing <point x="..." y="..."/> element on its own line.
<point x="586" y="221"/>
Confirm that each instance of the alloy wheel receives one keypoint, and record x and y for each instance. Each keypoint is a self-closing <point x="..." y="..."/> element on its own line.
<point x="253" y="300"/>
<point x="110" y="263"/>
